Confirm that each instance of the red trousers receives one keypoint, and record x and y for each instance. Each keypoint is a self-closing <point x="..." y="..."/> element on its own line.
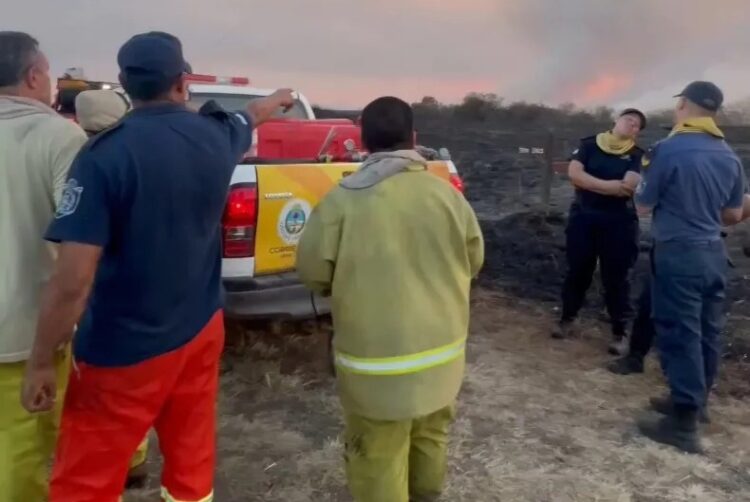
<point x="108" y="411"/>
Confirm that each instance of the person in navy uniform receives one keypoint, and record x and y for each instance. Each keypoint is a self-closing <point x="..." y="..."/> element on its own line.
<point x="693" y="185"/>
<point x="642" y="334"/>
<point x="603" y="224"/>
<point x="139" y="271"/>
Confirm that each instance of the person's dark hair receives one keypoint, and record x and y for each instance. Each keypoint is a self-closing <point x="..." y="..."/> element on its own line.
<point x="17" y="52"/>
<point x="387" y="125"/>
<point x="635" y="111"/>
<point x="146" y="90"/>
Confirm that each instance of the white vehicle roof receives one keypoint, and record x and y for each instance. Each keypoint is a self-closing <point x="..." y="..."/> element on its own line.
<point x="241" y="90"/>
<point x="229" y="89"/>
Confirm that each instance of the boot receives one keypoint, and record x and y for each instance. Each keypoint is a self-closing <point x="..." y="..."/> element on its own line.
<point x="665" y="406"/>
<point x="567" y="328"/>
<point x="679" y="429"/>
<point x="626" y="365"/>
<point x="619" y="345"/>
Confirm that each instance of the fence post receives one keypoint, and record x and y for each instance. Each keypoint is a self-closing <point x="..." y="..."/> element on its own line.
<point x="548" y="172"/>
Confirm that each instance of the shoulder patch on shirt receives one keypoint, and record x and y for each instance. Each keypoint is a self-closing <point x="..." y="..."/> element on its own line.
<point x="71" y="196"/>
<point x="649" y="154"/>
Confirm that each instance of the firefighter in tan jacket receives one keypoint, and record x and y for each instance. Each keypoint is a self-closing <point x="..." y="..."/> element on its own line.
<point x="37" y="147"/>
<point x="396" y="248"/>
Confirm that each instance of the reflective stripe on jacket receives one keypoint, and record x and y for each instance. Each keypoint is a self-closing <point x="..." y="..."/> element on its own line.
<point x="401" y="365"/>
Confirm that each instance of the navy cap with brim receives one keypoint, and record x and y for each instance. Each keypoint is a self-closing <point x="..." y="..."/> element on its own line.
<point x="152" y="58"/>
<point x="707" y="95"/>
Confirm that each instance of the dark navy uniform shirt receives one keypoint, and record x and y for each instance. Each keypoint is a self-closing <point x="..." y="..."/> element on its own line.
<point x="604" y="166"/>
<point x="689" y="180"/>
<point x="151" y="192"/>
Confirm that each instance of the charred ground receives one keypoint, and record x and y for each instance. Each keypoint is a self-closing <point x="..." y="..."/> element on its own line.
<point x="538" y="421"/>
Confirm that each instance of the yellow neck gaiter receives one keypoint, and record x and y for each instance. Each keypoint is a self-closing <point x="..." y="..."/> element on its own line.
<point x="705" y="125"/>
<point x="611" y="144"/>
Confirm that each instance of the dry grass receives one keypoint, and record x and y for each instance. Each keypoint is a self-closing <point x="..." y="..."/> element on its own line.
<point x="538" y="421"/>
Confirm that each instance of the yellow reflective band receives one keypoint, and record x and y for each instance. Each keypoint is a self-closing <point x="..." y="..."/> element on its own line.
<point x="169" y="498"/>
<point x="402" y="365"/>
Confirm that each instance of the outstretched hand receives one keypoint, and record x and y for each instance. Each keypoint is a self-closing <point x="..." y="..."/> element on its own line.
<point x="285" y="98"/>
<point x="262" y="109"/>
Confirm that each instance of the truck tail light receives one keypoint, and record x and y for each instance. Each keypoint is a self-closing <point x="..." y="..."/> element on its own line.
<point x="457" y="182"/>
<point x="239" y="221"/>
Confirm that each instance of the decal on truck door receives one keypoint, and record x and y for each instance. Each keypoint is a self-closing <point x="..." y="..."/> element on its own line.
<point x="292" y="220"/>
<point x="287" y="193"/>
<point x="280" y="223"/>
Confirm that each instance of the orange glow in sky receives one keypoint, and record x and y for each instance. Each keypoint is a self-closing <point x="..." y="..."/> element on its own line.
<point x="603" y="88"/>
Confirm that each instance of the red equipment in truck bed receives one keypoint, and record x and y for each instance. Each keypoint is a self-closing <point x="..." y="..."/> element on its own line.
<point x="308" y="139"/>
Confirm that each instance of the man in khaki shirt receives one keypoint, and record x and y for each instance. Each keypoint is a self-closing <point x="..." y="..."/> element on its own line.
<point x="37" y="147"/>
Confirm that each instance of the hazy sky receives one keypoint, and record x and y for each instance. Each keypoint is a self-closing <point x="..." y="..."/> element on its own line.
<point x="344" y="52"/>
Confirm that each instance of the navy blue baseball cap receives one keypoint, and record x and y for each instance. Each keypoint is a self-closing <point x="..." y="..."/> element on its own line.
<point x="152" y="59"/>
<point x="704" y="94"/>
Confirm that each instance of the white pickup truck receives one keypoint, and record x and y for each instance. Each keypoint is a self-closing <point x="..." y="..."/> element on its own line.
<point x="268" y="205"/>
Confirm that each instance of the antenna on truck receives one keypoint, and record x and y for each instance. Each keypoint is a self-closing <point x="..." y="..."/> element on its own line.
<point x="327" y="143"/>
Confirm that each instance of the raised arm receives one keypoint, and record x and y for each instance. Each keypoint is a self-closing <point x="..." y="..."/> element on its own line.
<point x="262" y="109"/>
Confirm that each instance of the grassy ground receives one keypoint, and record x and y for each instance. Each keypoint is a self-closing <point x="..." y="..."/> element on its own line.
<point x="538" y="421"/>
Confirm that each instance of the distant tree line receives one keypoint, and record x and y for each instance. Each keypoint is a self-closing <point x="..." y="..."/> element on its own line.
<point x="487" y="107"/>
<point x="491" y="109"/>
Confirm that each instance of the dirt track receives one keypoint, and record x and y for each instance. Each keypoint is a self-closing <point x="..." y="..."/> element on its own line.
<point x="538" y="421"/>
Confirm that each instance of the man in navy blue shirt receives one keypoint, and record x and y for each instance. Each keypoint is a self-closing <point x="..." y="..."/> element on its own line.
<point x="139" y="270"/>
<point x="693" y="183"/>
